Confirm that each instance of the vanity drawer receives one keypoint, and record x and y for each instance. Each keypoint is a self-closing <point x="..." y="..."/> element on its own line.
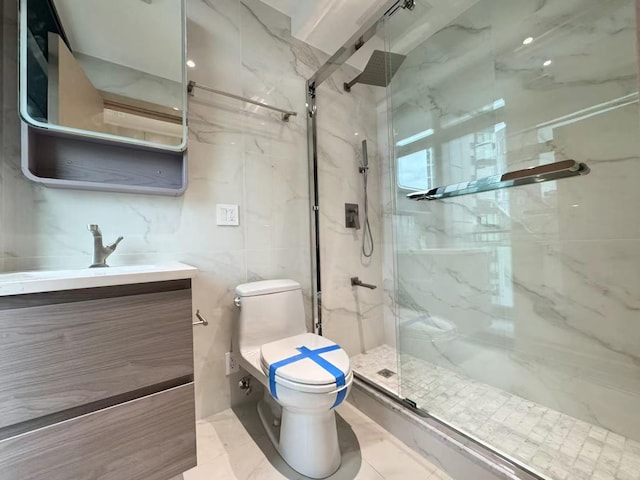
<point x="60" y="356"/>
<point x="151" y="438"/>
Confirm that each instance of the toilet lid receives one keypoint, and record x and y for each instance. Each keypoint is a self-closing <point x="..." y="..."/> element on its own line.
<point x="305" y="370"/>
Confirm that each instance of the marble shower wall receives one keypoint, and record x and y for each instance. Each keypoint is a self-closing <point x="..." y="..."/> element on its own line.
<point x="240" y="155"/>
<point x="351" y="316"/>
<point x="536" y="289"/>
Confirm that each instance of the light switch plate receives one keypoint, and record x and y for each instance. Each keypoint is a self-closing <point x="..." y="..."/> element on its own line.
<point x="227" y="215"/>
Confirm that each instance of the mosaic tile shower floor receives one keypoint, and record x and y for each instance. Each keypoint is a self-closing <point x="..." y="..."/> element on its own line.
<point x="546" y="441"/>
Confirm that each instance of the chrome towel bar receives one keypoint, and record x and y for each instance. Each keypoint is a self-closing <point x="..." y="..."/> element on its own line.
<point x="539" y="174"/>
<point x="286" y="114"/>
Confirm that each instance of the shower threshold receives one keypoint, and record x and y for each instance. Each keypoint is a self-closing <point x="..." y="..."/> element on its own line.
<point x="519" y="436"/>
<point x="457" y="455"/>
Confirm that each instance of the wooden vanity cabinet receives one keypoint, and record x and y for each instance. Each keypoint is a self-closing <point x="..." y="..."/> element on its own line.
<point x="97" y="383"/>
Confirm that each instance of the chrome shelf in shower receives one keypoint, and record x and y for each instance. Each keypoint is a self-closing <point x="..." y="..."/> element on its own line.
<point x="539" y="174"/>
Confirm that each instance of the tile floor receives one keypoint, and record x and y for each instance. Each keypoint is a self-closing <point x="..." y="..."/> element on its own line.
<point x="233" y="445"/>
<point x="551" y="443"/>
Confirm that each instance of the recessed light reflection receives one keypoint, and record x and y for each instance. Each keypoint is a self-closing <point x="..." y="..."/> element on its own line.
<point x="176" y="108"/>
<point x="547" y="63"/>
<point x="356" y="134"/>
<point x="191" y="63"/>
<point x="527" y="41"/>
<point x="414" y="138"/>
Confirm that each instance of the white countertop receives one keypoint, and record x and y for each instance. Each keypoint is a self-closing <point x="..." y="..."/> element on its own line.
<point x="55" y="280"/>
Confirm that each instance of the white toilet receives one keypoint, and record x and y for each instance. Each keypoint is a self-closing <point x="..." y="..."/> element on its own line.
<point x="305" y="376"/>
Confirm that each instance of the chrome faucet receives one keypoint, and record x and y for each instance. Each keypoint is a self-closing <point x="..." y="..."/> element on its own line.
<point x="100" y="252"/>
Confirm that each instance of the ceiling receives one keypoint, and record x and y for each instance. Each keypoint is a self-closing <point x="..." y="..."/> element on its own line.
<point x="328" y="24"/>
<point x="325" y="24"/>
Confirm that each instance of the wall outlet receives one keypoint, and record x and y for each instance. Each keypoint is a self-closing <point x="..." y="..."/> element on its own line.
<point x="227" y="215"/>
<point x="231" y="364"/>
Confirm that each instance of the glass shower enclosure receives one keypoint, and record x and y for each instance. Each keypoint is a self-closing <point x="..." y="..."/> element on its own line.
<point x="504" y="162"/>
<point x="516" y="301"/>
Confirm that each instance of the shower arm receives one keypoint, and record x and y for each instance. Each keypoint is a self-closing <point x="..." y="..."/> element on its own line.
<point x="348" y="85"/>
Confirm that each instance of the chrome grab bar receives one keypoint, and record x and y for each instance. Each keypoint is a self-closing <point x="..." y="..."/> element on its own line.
<point x="539" y="174"/>
<point x="286" y="114"/>
<point x="201" y="320"/>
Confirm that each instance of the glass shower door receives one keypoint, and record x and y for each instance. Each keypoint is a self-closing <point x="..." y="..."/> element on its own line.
<point x="518" y="309"/>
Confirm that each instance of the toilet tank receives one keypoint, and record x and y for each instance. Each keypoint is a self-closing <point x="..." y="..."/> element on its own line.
<point x="269" y="310"/>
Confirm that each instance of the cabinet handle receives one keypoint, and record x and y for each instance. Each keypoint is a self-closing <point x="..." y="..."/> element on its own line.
<point x="201" y="320"/>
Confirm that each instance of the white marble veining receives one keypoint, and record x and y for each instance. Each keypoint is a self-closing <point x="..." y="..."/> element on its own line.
<point x="19" y="283"/>
<point x="539" y="284"/>
<point x="237" y="154"/>
<point x="351" y="316"/>
<point x="554" y="445"/>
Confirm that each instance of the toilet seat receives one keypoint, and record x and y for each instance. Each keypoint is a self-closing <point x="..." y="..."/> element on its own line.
<point x="304" y="388"/>
<point x="305" y="374"/>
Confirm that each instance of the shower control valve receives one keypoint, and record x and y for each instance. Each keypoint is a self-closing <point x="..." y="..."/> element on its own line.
<point x="351" y="216"/>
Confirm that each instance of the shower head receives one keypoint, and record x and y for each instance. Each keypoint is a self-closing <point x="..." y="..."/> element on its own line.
<point x="365" y="155"/>
<point x="380" y="69"/>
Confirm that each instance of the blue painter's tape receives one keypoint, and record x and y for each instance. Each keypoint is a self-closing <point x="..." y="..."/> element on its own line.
<point x="331" y="368"/>
<point x="276" y="366"/>
<point x="313" y="355"/>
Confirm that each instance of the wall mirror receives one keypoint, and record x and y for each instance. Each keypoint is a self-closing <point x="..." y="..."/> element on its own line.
<point x="106" y="69"/>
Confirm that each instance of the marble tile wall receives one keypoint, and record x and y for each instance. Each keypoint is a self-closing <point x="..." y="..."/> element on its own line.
<point x="539" y="283"/>
<point x="239" y="155"/>
<point x="351" y="316"/>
